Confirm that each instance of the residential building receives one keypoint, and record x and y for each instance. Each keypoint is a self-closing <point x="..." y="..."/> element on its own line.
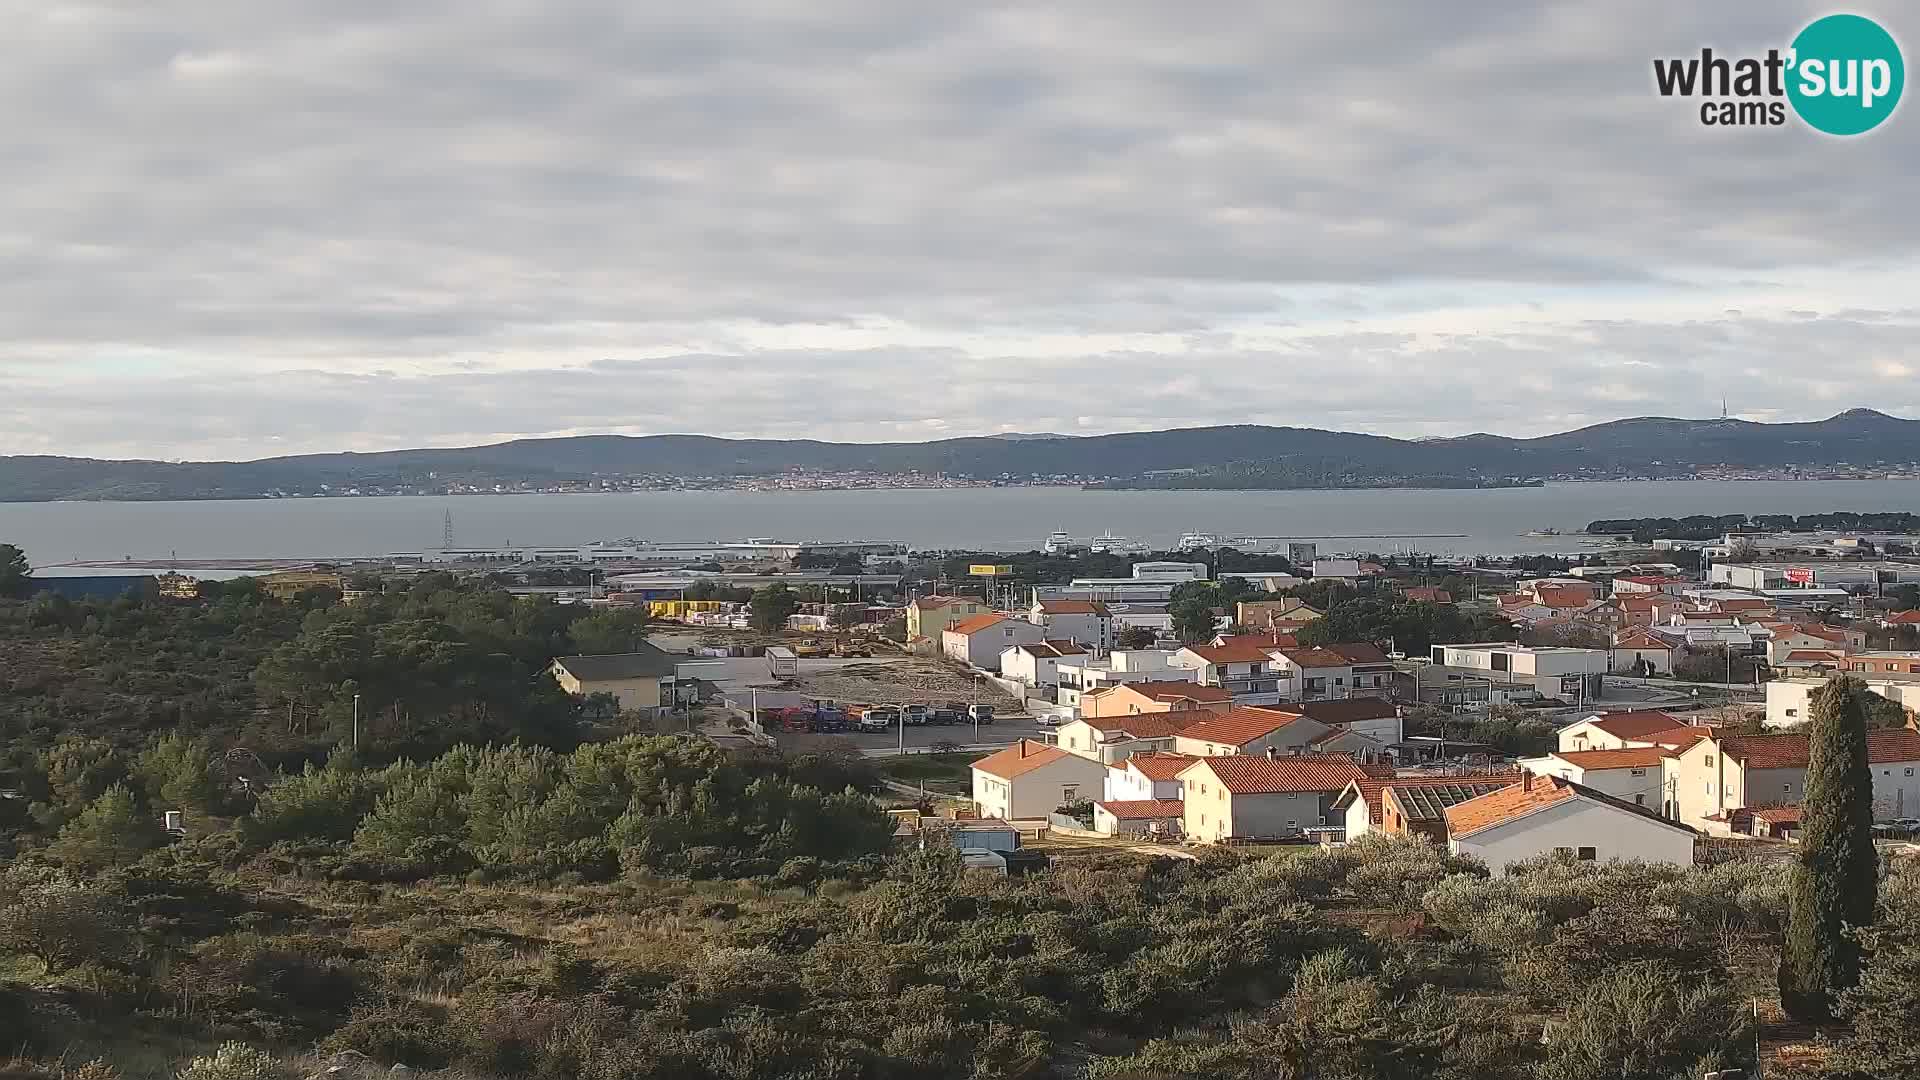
<point x="1568" y="674"/>
<point x="1347" y="570"/>
<point x="929" y="616"/>
<point x="1617" y="730"/>
<point x="1245" y="670"/>
<point x="1117" y="667"/>
<point x="1641" y="651"/>
<point x="1790" y="700"/>
<point x="1030" y="780"/>
<point x="641" y="681"/>
<point x="1376" y="718"/>
<point x="980" y="640"/>
<point x="1255" y="796"/>
<point x="1265" y="639"/>
<point x="1038" y="664"/>
<point x="1412" y="806"/>
<point x="1793" y="637"/>
<point x="1425" y="595"/>
<point x="1084" y="622"/>
<point x="1634" y="775"/>
<point x="1895" y="620"/>
<point x="1249" y="731"/>
<point x="1112" y="740"/>
<point x="1153" y="696"/>
<point x="1646" y="584"/>
<point x="1287" y="611"/>
<point x="1153" y="774"/>
<point x="1149" y="817"/>
<point x="1868" y="664"/>
<point x="1718" y="774"/>
<point x="1332" y="672"/>
<point x="1544" y="815"/>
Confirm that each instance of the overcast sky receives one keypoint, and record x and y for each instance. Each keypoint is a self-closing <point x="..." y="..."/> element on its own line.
<point x="239" y="228"/>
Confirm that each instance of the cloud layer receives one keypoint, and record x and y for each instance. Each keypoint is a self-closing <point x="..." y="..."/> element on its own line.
<point x="246" y="227"/>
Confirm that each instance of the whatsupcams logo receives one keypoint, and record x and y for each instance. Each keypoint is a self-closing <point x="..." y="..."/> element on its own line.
<point x="1842" y="75"/>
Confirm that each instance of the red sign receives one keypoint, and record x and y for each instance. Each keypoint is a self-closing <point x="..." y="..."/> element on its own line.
<point x="1800" y="575"/>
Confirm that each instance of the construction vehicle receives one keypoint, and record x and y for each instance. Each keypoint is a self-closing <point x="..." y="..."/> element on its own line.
<point x="876" y="719"/>
<point x="914" y="715"/>
<point x="945" y="716"/>
<point x="980" y="713"/>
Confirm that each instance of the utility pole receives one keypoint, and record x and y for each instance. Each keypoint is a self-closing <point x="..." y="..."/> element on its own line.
<point x="356" y="723"/>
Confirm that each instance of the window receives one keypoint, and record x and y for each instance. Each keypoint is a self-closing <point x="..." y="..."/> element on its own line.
<point x="1563" y="851"/>
<point x="1068" y="792"/>
<point x="1640" y="799"/>
<point x="1588" y="854"/>
<point x="1709" y="761"/>
<point x="1787" y="788"/>
<point x="1909" y="772"/>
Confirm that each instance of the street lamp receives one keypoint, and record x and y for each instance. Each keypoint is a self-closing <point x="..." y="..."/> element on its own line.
<point x="356" y="722"/>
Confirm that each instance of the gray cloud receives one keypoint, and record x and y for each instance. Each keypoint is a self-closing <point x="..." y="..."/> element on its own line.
<point x="243" y="228"/>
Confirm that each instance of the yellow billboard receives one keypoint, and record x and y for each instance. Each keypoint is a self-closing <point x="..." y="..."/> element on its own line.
<point x="990" y="569"/>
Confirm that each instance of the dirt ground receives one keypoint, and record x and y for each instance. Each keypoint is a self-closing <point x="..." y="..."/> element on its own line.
<point x="902" y="680"/>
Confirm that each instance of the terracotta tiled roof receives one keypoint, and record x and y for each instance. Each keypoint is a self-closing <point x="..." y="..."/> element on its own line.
<point x="1885" y="746"/>
<point x="1904" y="618"/>
<point x="1815" y="656"/>
<point x="1244" y="774"/>
<point x="1073" y="607"/>
<point x="1020" y="758"/>
<point x="976" y="623"/>
<point x="1638" y="757"/>
<point x="1821" y="631"/>
<point x="1561" y="598"/>
<point x="1316" y="657"/>
<point x="1532" y="794"/>
<point x="1631" y="602"/>
<point x="1144" y="809"/>
<point x="1159" y="765"/>
<point x="1258" y="641"/>
<point x="1678" y="739"/>
<point x="1156" y="690"/>
<point x="1634" y="725"/>
<point x="1360" y="652"/>
<point x="1047" y="650"/>
<point x="1233" y="654"/>
<point x="1429" y="596"/>
<point x="1778" y="815"/>
<point x="1238" y="727"/>
<point x="1147" y="725"/>
<point x="1371" y="789"/>
<point x="1641" y="639"/>
<point x="1341" y="711"/>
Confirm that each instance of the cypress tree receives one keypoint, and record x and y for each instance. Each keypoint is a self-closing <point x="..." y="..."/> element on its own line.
<point x="1836" y="877"/>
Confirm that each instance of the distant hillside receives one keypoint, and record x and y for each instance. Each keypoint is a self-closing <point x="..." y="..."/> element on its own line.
<point x="1216" y="456"/>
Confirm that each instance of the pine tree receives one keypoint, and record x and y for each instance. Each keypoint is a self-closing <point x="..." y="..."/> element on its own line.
<point x="112" y="831"/>
<point x="1835" y="879"/>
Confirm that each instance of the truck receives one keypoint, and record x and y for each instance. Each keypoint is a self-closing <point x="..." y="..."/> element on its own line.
<point x="876" y="719"/>
<point x="914" y="715"/>
<point x="781" y="662"/>
<point x="945" y="716"/>
<point x="980" y="713"/>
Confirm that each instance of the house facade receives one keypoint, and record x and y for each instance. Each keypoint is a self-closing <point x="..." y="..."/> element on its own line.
<point x="1030" y="779"/>
<point x="641" y="681"/>
<point x="1111" y="740"/>
<point x="929" y="616"/>
<point x="1039" y="664"/>
<point x="1085" y="622"/>
<point x="1636" y="775"/>
<point x="980" y="640"/>
<point x="1545" y="815"/>
<point x="1249" y="797"/>
<point x="1411" y="806"/>
<point x="1249" y="731"/>
<point x="1153" y="696"/>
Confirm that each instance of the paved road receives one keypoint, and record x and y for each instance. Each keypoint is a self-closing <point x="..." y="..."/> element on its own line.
<point x="921" y="739"/>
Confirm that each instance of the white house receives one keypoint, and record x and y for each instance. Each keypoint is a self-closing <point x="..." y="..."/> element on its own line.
<point x="1153" y="775"/>
<point x="1333" y="672"/>
<point x="1113" y="739"/>
<point x="1030" y="779"/>
<point x="980" y="640"/>
<point x="1617" y="730"/>
<point x="1244" y="669"/>
<point x="1639" y="650"/>
<point x="1635" y="775"/>
<point x="1039" y="664"/>
<point x="1565" y="673"/>
<point x="1544" y="815"/>
<point x="1120" y="666"/>
<point x="1720" y="774"/>
<point x="1411" y="806"/>
<point x="1376" y="718"/>
<point x="1790" y="701"/>
<point x="1085" y="622"/>
<point x="1149" y="816"/>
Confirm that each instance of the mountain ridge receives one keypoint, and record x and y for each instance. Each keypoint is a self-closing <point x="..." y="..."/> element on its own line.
<point x="1268" y="455"/>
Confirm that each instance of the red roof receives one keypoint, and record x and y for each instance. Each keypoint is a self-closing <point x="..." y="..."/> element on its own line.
<point x="1531" y="794"/>
<point x="1317" y="657"/>
<point x="1428" y="596"/>
<point x="1022" y="757"/>
<point x="976" y="623"/>
<point x="1561" y="598"/>
<point x="1144" y="809"/>
<point x="1778" y="815"/>
<point x="1815" y="656"/>
<point x="1789" y="751"/>
<point x="1360" y="652"/>
<point x="1235" y="653"/>
<point x="1238" y="727"/>
<point x="1638" y="757"/>
<point x="1147" y="725"/>
<point x="1159" y="765"/>
<point x="1245" y="774"/>
<point x="1635" y="725"/>
<point x="1677" y="739"/>
<point x="1449" y="789"/>
<point x="1642" y="639"/>
<point x="1073" y="607"/>
<point x="1156" y="690"/>
<point x="1904" y="618"/>
<point x="1259" y="641"/>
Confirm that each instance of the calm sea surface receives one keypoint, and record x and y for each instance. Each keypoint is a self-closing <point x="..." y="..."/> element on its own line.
<point x="1442" y="522"/>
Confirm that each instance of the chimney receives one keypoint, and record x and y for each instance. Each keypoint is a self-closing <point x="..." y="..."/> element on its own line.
<point x="1273" y="753"/>
<point x="1023" y="747"/>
